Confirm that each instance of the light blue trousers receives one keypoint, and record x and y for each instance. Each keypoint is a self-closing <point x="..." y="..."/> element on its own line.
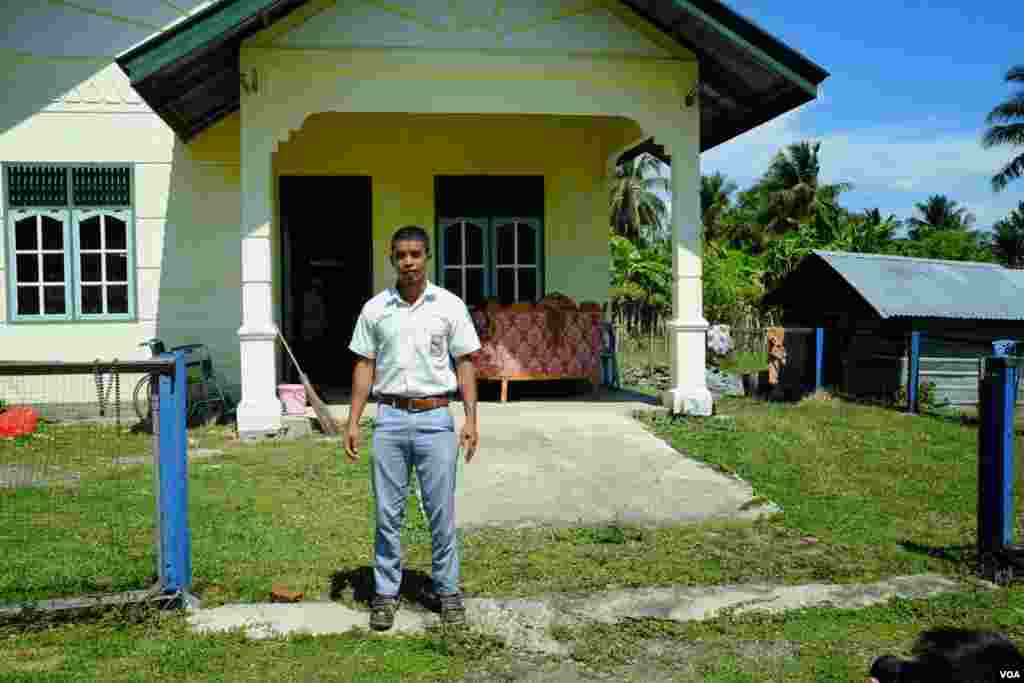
<point x="426" y="441"/>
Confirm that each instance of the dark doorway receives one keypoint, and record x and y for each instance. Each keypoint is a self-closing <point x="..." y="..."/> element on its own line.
<point x="327" y="268"/>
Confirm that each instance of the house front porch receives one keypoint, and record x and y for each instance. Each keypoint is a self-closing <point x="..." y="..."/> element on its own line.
<point x="686" y="78"/>
<point x="419" y="134"/>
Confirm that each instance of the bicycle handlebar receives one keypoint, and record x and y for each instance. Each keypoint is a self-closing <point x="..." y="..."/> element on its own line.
<point x="156" y="346"/>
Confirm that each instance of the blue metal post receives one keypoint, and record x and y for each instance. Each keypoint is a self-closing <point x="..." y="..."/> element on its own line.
<point x="819" y="360"/>
<point x="997" y="462"/>
<point x="912" y="379"/>
<point x="1009" y="396"/>
<point x="175" y="541"/>
<point x="994" y="492"/>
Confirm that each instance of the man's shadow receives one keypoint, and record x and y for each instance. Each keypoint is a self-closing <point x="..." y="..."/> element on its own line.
<point x="417" y="587"/>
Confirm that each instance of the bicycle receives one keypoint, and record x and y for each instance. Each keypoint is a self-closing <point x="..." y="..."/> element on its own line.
<point x="205" y="409"/>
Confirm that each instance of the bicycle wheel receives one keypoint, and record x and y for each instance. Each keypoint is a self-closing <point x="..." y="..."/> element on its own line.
<point x="141" y="398"/>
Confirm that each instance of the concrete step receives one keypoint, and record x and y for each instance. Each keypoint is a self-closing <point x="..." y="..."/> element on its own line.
<point x="525" y="622"/>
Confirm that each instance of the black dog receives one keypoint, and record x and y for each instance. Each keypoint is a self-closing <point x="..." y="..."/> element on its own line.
<point x="953" y="655"/>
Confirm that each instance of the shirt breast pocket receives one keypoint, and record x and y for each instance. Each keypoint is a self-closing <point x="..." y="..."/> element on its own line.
<point x="387" y="332"/>
<point x="436" y="338"/>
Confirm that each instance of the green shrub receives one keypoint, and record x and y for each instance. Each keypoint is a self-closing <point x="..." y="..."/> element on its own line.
<point x="926" y="396"/>
<point x="733" y="284"/>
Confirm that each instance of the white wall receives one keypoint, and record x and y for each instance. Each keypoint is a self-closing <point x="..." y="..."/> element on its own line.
<point x="188" y="258"/>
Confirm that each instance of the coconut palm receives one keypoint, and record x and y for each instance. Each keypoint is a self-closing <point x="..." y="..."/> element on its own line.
<point x="939" y="213"/>
<point x="740" y="225"/>
<point x="873" y="233"/>
<point x="1010" y="130"/>
<point x="1008" y="239"/>
<point x="637" y="212"/>
<point x="952" y="245"/>
<point x="887" y="225"/>
<point x="791" y="190"/>
<point x="715" y="191"/>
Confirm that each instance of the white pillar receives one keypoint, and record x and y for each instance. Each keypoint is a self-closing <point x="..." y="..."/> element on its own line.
<point x="687" y="328"/>
<point x="259" y="412"/>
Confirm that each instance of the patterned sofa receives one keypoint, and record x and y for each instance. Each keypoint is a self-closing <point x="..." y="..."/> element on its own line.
<point x="553" y="339"/>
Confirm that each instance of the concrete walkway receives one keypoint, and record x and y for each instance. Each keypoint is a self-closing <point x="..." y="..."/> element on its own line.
<point x="582" y="459"/>
<point x="524" y="623"/>
<point x="586" y="460"/>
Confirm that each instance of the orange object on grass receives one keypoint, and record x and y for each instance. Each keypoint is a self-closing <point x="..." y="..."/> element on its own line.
<point x="17" y="421"/>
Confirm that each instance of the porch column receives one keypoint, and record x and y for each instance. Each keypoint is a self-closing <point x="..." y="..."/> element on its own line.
<point x="259" y="412"/>
<point x="687" y="328"/>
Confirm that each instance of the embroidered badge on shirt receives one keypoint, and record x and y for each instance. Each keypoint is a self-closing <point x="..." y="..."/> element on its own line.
<point x="437" y="345"/>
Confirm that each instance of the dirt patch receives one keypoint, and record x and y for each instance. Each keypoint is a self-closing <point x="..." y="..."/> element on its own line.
<point x="36" y="476"/>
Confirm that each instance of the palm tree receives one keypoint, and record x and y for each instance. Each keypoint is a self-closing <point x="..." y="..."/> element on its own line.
<point x="875" y="232"/>
<point x="874" y="217"/>
<point x="715" y="191"/>
<point x="790" y="188"/>
<point x="1009" y="134"/>
<point x="1008" y="239"/>
<point x="952" y="245"/>
<point x="939" y="213"/>
<point x="637" y="212"/>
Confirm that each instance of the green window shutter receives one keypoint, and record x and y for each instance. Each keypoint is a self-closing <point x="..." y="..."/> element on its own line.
<point x="101" y="186"/>
<point x="34" y="185"/>
<point x="39" y="270"/>
<point x="104" y="266"/>
<point x="518" y="259"/>
<point x="462" y="257"/>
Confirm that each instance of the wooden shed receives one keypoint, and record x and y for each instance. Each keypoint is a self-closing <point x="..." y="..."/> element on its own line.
<point x="870" y="306"/>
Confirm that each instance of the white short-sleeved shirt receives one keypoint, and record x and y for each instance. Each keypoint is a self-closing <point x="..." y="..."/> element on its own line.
<point x="411" y="343"/>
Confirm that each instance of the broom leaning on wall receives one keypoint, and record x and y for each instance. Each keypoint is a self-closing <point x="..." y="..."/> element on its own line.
<point x="327" y="424"/>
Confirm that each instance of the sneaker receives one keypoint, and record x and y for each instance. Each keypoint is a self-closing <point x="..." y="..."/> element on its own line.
<point x="453" y="612"/>
<point x="382" y="614"/>
<point x="428" y="598"/>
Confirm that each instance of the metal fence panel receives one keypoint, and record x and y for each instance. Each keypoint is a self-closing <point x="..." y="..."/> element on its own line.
<point x="77" y="503"/>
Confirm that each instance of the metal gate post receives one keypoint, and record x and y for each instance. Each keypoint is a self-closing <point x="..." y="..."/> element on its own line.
<point x="175" y="555"/>
<point x="914" y="371"/>
<point x="997" y="393"/>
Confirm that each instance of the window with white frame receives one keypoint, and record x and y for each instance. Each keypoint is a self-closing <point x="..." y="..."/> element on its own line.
<point x="70" y="242"/>
<point x="491" y="257"/>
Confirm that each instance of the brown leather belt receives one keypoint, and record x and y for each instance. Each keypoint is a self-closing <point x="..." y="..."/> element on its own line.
<point x="415" y="404"/>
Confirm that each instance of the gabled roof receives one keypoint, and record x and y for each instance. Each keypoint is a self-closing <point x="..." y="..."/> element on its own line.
<point x="189" y="74"/>
<point x="900" y="286"/>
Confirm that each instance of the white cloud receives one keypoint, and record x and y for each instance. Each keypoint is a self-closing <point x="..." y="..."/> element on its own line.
<point x="748" y="156"/>
<point x="891" y="166"/>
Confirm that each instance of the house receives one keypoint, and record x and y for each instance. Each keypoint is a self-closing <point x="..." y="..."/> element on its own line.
<point x="871" y="305"/>
<point x="197" y="187"/>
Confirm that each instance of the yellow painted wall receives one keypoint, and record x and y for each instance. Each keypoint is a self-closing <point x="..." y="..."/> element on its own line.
<point x="404" y="152"/>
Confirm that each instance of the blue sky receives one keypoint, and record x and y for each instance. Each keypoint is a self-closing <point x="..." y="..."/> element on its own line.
<point x="900" y="117"/>
<point x="903" y="112"/>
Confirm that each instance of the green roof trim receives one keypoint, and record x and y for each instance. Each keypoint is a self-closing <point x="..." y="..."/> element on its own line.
<point x="199" y="30"/>
<point x="757" y="52"/>
<point x="189" y="73"/>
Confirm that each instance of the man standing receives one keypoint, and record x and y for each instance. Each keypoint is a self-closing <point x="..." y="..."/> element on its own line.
<point x="404" y="336"/>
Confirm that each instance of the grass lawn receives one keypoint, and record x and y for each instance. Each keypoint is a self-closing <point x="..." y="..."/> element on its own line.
<point x="884" y="494"/>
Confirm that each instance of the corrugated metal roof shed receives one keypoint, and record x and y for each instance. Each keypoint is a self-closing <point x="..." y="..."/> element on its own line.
<point x="900" y="286"/>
